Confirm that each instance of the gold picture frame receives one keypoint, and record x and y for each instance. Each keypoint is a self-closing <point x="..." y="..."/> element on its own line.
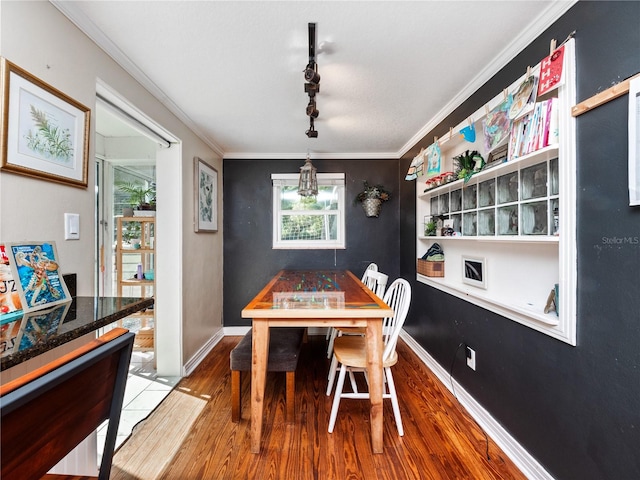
<point x="206" y="196"/>
<point x="45" y="133"/>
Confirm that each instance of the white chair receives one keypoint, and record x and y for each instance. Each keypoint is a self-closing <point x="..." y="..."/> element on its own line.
<point x="376" y="282"/>
<point x="350" y="352"/>
<point x="373" y="267"/>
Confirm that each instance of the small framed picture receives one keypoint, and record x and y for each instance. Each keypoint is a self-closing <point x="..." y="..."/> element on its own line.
<point x="474" y="271"/>
<point x="45" y="133"/>
<point x="206" y="197"/>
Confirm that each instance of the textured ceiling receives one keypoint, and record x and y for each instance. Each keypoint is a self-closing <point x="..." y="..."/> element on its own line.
<point x="391" y="70"/>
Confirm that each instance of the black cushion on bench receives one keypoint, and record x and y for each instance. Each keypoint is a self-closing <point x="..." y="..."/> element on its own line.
<point x="284" y="350"/>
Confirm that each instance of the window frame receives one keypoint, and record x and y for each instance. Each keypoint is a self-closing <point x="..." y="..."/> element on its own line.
<point x="280" y="180"/>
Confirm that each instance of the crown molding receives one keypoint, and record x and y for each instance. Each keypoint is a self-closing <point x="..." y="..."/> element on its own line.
<point x="314" y="156"/>
<point x="80" y="20"/>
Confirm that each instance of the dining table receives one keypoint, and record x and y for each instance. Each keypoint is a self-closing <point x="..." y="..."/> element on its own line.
<point x="316" y="298"/>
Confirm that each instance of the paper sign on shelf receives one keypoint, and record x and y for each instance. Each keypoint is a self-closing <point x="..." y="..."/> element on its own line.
<point x="551" y="71"/>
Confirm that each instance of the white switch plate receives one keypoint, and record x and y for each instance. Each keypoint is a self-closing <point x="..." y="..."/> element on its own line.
<point x="471" y="358"/>
<point x="72" y="226"/>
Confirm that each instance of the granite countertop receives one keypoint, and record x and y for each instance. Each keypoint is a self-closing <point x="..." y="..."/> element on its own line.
<point x="38" y="332"/>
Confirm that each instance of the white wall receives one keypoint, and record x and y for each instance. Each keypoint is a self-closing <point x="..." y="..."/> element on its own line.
<point x="38" y="38"/>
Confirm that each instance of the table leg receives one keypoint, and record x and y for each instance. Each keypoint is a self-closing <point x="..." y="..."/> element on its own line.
<point x="374" y="371"/>
<point x="260" y="355"/>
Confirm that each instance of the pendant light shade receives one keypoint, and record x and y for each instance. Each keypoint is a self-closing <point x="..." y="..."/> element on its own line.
<point x="308" y="183"/>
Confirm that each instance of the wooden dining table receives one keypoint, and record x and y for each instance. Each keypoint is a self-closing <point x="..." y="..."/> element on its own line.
<point x="316" y="298"/>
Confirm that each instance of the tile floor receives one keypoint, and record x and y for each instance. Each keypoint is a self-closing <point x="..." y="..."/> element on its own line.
<point x="143" y="393"/>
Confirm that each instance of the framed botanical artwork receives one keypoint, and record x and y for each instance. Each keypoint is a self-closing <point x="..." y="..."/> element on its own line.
<point x="45" y="133"/>
<point x="474" y="271"/>
<point x="206" y="197"/>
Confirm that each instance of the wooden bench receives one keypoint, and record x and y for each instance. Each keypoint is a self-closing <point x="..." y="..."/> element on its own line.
<point x="49" y="411"/>
<point x="284" y="351"/>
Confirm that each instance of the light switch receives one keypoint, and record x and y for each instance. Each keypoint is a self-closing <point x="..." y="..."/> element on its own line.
<point x="71" y="226"/>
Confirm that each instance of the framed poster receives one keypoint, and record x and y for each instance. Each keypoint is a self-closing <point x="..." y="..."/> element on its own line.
<point x="45" y="133"/>
<point x="36" y="271"/>
<point x="206" y="197"/>
<point x="634" y="142"/>
<point x="474" y="271"/>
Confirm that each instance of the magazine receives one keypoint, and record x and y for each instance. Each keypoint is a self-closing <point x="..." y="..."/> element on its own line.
<point x="36" y="271"/>
<point x="10" y="306"/>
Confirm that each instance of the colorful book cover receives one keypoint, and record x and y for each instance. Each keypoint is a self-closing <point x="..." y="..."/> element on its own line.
<point x="36" y="270"/>
<point x="10" y="306"/>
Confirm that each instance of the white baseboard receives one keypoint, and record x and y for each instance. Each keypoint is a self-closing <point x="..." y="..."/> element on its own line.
<point x="235" y="331"/>
<point x="200" y="355"/>
<point x="527" y="464"/>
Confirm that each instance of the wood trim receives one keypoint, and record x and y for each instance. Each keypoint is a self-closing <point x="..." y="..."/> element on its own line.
<point x="601" y="98"/>
<point x="57" y="363"/>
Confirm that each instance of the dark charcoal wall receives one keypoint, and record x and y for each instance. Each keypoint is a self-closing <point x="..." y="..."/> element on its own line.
<point x="576" y="409"/>
<point x="249" y="260"/>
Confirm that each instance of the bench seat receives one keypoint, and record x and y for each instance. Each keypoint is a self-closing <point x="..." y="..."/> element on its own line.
<point x="284" y="351"/>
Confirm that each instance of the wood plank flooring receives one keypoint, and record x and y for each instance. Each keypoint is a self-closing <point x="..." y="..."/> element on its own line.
<point x="190" y="435"/>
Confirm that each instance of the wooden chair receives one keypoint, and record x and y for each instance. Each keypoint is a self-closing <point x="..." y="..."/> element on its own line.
<point x="48" y="412"/>
<point x="350" y="353"/>
<point x="284" y="352"/>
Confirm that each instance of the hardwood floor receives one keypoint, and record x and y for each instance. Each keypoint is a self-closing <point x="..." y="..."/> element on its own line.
<point x="190" y="435"/>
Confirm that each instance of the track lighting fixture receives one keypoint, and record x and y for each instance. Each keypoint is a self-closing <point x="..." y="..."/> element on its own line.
<point x="312" y="111"/>
<point x="312" y="132"/>
<point x="311" y="74"/>
<point x="312" y="85"/>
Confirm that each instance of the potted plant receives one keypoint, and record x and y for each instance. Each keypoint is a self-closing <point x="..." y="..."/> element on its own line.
<point x="141" y="197"/>
<point x="371" y="198"/>
<point x="469" y="162"/>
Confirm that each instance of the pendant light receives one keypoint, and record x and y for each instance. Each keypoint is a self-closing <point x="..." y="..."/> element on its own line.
<point x="308" y="183"/>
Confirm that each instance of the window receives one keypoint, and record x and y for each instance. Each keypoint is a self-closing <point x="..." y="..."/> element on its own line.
<point x="308" y="222"/>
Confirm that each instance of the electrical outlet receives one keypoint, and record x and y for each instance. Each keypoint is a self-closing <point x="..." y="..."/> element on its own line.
<point x="471" y="358"/>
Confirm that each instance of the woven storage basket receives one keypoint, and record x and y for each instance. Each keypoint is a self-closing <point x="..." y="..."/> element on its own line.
<point x="430" y="269"/>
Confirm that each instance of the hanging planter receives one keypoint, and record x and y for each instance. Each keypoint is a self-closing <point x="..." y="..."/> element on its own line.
<point x="371" y="198"/>
<point x="372" y="206"/>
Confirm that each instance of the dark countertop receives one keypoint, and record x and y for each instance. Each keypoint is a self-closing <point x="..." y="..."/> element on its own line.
<point x="42" y="331"/>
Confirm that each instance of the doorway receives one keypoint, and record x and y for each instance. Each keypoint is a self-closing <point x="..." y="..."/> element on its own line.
<point x="131" y="147"/>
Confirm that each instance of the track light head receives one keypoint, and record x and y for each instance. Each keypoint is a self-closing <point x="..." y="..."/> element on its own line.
<point x="312" y="111"/>
<point x="310" y="74"/>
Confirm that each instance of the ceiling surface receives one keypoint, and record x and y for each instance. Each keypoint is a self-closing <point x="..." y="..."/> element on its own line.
<point x="390" y="70"/>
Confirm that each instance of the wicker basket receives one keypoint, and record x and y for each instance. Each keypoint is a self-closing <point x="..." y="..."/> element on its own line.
<point x="430" y="269"/>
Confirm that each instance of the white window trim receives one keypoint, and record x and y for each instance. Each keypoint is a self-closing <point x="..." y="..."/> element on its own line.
<point x="291" y="179"/>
